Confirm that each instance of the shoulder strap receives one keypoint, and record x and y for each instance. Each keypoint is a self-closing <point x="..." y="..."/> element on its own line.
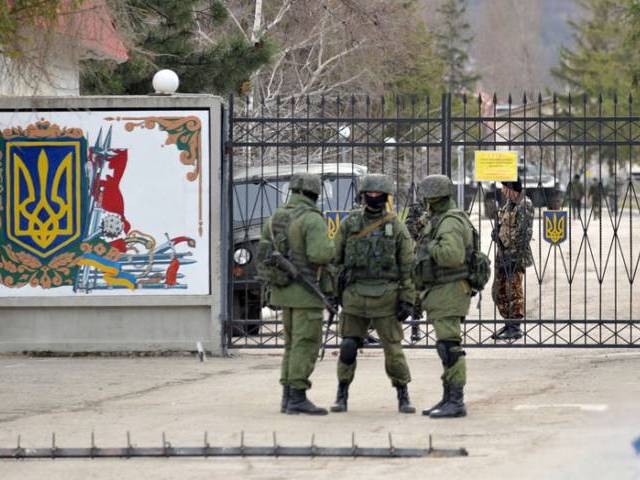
<point x="462" y="217"/>
<point x="459" y="215"/>
<point x="373" y="226"/>
<point x="293" y="214"/>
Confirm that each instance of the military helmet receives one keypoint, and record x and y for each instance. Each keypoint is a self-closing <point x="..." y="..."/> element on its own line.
<point x="306" y="182"/>
<point x="376" y="182"/>
<point x="435" y="186"/>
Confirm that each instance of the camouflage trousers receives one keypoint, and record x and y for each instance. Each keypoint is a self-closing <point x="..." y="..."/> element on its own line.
<point x="391" y="334"/>
<point x="507" y="293"/>
<point x="302" y="341"/>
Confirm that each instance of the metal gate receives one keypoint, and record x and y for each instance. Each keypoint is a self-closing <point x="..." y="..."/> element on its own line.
<point x="576" y="155"/>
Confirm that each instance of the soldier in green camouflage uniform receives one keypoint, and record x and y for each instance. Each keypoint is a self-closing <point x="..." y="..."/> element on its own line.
<point x="440" y="274"/>
<point x="374" y="253"/>
<point x="299" y="232"/>
<point x="595" y="193"/>
<point x="512" y="235"/>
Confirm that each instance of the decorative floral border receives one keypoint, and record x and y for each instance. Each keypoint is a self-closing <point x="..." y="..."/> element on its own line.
<point x="20" y="268"/>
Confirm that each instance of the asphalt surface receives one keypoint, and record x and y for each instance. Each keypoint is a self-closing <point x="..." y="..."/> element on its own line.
<point x="532" y="414"/>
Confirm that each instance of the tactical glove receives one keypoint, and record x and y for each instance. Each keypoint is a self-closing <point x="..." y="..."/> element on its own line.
<point x="495" y="234"/>
<point x="404" y="311"/>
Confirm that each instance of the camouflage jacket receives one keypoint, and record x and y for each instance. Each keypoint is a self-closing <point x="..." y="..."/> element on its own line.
<point x="515" y="228"/>
<point x="308" y="238"/>
<point x="447" y="247"/>
<point x="377" y="266"/>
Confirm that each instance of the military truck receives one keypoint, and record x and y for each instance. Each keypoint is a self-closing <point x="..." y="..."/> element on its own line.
<point x="257" y="192"/>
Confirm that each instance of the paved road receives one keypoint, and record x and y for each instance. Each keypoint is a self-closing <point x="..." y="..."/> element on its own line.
<point x="550" y="414"/>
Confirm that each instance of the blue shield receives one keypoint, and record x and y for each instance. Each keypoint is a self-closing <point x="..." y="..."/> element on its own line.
<point x="555" y="226"/>
<point x="333" y="219"/>
<point x="44" y="193"/>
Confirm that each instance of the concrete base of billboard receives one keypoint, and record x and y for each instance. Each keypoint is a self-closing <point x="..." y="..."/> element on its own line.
<point x="108" y="329"/>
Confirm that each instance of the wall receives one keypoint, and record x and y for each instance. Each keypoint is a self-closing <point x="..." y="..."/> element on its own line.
<point x="110" y="237"/>
<point x="59" y="74"/>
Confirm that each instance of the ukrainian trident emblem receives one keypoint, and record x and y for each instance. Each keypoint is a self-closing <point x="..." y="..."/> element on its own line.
<point x="333" y="219"/>
<point x="555" y="226"/>
<point x="43" y="193"/>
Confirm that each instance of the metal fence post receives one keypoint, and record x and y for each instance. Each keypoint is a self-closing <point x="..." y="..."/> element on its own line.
<point x="445" y="163"/>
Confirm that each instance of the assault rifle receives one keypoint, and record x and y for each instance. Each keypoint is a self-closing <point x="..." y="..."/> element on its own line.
<point x="284" y="264"/>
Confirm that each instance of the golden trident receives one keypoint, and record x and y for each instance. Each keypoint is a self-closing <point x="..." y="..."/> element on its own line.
<point x="554" y="228"/>
<point x="44" y="221"/>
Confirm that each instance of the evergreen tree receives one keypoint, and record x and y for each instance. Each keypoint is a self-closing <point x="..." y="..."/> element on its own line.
<point x="452" y="40"/>
<point x="605" y="56"/>
<point x="164" y="38"/>
<point x="419" y="71"/>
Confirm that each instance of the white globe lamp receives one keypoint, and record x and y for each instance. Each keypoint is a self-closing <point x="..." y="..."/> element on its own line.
<point x="165" y="82"/>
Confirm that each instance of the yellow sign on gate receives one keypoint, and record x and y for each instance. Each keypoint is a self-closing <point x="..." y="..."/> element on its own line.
<point x="492" y="166"/>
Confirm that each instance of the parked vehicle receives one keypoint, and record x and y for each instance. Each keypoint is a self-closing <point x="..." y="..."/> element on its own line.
<point x="257" y="192"/>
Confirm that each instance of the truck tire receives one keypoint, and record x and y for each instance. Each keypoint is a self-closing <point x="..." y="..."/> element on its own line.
<point x="246" y="314"/>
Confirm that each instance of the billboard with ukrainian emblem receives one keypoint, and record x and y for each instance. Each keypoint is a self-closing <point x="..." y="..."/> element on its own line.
<point x="104" y="202"/>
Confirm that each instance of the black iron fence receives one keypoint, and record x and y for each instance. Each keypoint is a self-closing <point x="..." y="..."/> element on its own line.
<point x="576" y="155"/>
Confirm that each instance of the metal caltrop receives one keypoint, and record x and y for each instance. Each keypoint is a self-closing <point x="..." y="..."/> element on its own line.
<point x="555" y="226"/>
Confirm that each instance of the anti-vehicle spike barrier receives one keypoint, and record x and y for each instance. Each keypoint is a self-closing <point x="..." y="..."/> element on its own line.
<point x="243" y="450"/>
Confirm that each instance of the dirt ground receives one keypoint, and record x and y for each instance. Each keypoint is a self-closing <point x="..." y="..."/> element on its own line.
<point x="545" y="413"/>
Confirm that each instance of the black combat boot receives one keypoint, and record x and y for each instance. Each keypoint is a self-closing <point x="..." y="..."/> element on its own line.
<point x="445" y="398"/>
<point x="341" y="398"/>
<point x="285" y="399"/>
<point x="454" y="407"/>
<point x="510" y="331"/>
<point x="404" y="404"/>
<point x="299" y="403"/>
<point x="514" y="332"/>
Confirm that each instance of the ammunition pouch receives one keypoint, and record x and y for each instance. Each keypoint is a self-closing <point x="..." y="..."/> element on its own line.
<point x="371" y="257"/>
<point x="427" y="274"/>
<point x="269" y="271"/>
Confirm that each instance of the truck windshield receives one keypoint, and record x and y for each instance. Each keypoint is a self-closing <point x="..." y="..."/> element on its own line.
<point x="254" y="201"/>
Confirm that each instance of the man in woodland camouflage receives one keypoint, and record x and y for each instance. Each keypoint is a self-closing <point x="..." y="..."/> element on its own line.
<point x="374" y="253"/>
<point x="298" y="231"/>
<point x="512" y="234"/>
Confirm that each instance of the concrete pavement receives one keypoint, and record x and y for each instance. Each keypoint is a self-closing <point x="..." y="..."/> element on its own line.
<point x="539" y="413"/>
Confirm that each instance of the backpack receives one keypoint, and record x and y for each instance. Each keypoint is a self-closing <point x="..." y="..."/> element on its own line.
<point x="477" y="269"/>
<point x="268" y="270"/>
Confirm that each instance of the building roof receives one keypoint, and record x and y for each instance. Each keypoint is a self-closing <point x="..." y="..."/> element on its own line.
<point x="92" y="24"/>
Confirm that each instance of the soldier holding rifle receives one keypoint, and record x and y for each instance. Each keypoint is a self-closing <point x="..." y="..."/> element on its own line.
<point x="294" y="251"/>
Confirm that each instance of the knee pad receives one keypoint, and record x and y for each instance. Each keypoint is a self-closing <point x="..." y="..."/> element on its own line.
<point x="349" y="350"/>
<point x="449" y="352"/>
